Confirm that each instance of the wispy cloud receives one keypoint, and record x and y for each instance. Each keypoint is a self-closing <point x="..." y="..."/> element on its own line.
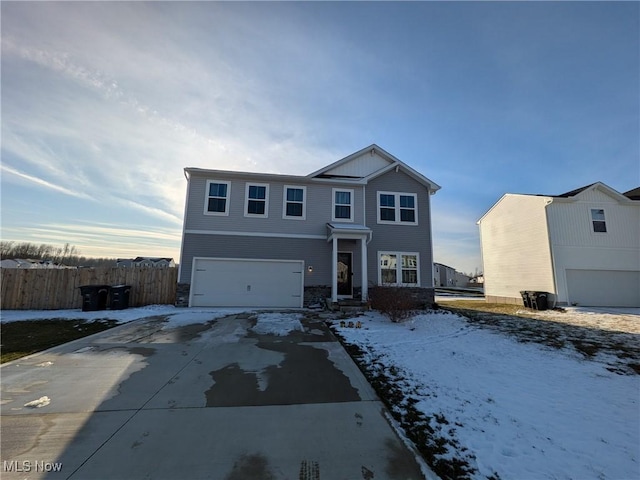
<point x="42" y="183"/>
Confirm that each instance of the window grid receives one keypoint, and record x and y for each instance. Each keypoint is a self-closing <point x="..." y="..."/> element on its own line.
<point x="401" y="273"/>
<point x="217" y="198"/>
<point x="294" y="202"/>
<point x="397" y="208"/>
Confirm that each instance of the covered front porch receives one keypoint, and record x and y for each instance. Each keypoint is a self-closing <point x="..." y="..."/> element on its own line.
<point x="348" y="260"/>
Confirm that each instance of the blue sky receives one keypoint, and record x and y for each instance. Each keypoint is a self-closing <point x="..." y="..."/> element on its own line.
<point x="104" y="104"/>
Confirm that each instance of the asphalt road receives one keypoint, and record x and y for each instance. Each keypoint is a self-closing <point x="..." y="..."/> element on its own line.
<point x="214" y="401"/>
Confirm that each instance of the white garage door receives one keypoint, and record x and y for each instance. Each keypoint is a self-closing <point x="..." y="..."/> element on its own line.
<point x="604" y="288"/>
<point x="218" y="282"/>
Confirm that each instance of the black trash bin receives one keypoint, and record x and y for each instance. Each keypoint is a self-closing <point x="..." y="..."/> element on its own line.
<point x="539" y="300"/>
<point x="120" y="297"/>
<point x="526" y="301"/>
<point x="94" y="297"/>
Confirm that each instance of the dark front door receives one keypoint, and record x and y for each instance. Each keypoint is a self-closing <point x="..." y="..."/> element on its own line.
<point x="345" y="275"/>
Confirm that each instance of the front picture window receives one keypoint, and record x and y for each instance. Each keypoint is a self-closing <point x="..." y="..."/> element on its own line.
<point x="398" y="268"/>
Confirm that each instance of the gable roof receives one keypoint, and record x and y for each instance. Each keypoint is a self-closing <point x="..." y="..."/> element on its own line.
<point x="594" y="186"/>
<point x="569" y="196"/>
<point x="633" y="194"/>
<point x="369" y="163"/>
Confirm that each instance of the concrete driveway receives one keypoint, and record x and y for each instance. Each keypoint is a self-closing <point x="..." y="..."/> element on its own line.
<point x="216" y="400"/>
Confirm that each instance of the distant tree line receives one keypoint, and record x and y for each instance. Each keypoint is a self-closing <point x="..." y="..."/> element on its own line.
<point x="66" y="255"/>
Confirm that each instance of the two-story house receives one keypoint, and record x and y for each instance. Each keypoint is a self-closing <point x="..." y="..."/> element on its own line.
<point x="262" y="240"/>
<point x="582" y="247"/>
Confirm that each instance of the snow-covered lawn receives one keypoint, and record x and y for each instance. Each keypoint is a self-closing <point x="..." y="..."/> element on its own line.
<point x="505" y="407"/>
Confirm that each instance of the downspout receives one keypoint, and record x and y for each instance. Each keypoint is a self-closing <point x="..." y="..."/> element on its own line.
<point x="184" y="222"/>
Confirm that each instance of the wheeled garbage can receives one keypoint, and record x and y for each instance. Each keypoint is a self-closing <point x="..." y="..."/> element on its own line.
<point x="119" y="297"/>
<point x="94" y="297"/>
<point x="539" y="300"/>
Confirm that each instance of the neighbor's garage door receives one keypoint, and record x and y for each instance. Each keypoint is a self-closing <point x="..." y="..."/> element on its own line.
<point x="604" y="288"/>
<point x="220" y="282"/>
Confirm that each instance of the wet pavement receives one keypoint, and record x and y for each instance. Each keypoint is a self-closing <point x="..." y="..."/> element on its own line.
<point x="211" y="400"/>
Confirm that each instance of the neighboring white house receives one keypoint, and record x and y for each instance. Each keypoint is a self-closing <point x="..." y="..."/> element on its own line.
<point x="29" y="263"/>
<point x="583" y="247"/>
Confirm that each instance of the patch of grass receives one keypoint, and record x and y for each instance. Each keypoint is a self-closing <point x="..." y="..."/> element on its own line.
<point x="624" y="348"/>
<point x="23" y="338"/>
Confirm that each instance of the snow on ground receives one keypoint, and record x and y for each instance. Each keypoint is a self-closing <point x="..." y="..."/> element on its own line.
<point x="278" y="323"/>
<point x="176" y="317"/>
<point x="522" y="410"/>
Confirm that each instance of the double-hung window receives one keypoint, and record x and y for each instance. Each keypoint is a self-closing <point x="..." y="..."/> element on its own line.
<point x="597" y="220"/>
<point x="294" y="202"/>
<point x="397" y="208"/>
<point x="398" y="268"/>
<point x="217" y="198"/>
<point x="256" y="200"/>
<point x="342" y="205"/>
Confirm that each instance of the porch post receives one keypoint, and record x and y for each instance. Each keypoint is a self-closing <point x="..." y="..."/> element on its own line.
<point x="334" y="271"/>
<point x="365" y="279"/>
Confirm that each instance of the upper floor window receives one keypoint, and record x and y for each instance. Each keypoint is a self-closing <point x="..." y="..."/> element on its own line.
<point x="396" y="207"/>
<point x="294" y="202"/>
<point x="256" y="200"/>
<point x="597" y="220"/>
<point x="217" y="199"/>
<point x="342" y="205"/>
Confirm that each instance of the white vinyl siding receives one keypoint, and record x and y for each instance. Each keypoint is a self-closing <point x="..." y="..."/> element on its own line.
<point x="397" y="208"/>
<point x="216" y="200"/>
<point x="256" y="200"/>
<point x="342" y="205"/>
<point x="515" y="247"/>
<point x="294" y="202"/>
<point x="399" y="268"/>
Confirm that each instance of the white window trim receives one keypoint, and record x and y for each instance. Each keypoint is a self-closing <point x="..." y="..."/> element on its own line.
<point x="207" y="197"/>
<point x="333" y="204"/>
<point x="399" y="268"/>
<point x="397" y="207"/>
<point x="266" y="200"/>
<point x="304" y="202"/>
<point x="591" y="220"/>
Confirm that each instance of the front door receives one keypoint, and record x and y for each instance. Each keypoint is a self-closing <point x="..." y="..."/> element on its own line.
<point x="345" y="274"/>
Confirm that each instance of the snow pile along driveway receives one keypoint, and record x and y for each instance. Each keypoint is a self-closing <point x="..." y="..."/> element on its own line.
<point x="498" y="408"/>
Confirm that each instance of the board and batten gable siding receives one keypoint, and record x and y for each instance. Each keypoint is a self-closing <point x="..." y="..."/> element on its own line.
<point x="515" y="248"/>
<point x="318" y="206"/>
<point x="399" y="237"/>
<point x="576" y="246"/>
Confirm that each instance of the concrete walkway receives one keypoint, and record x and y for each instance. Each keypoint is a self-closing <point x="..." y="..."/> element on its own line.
<point x="214" y="401"/>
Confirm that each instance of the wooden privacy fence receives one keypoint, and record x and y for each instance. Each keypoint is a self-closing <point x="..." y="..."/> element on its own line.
<point x="53" y="288"/>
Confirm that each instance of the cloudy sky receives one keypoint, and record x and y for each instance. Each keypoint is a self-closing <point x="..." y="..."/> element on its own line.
<point x="104" y="104"/>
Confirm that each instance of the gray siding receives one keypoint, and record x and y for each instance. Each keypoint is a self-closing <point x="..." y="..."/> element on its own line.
<point x="318" y="207"/>
<point x="316" y="253"/>
<point x="400" y="238"/>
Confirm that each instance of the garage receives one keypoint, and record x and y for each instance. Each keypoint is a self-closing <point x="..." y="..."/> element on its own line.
<point x="228" y="282"/>
<point x="604" y="288"/>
